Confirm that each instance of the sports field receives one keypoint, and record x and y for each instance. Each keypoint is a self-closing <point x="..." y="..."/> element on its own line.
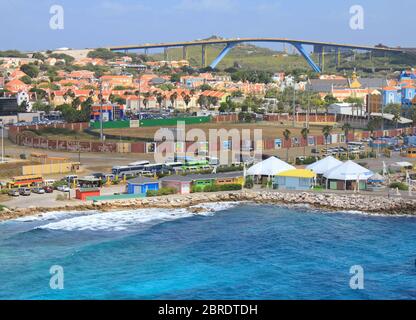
<point x="270" y="130"/>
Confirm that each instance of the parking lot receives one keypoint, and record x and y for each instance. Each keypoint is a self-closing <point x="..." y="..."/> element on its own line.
<point x="50" y="199"/>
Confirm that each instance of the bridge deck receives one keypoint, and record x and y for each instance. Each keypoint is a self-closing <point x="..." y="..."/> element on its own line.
<point x="241" y="40"/>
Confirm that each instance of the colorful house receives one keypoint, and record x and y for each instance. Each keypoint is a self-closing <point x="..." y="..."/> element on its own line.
<point x="184" y="184"/>
<point x="141" y="185"/>
<point x="83" y="193"/>
<point x="181" y="183"/>
<point x="294" y="179"/>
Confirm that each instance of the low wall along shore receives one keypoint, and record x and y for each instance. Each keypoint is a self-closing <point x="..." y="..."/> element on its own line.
<point x="338" y="202"/>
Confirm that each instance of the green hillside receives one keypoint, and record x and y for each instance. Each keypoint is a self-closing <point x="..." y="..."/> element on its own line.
<point x="246" y="56"/>
<point x="249" y="56"/>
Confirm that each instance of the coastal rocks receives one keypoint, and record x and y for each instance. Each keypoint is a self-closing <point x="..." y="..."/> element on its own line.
<point x="330" y="201"/>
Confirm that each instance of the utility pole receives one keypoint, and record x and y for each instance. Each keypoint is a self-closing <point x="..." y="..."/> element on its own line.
<point x="2" y="142"/>
<point x="294" y="103"/>
<point x="101" y="110"/>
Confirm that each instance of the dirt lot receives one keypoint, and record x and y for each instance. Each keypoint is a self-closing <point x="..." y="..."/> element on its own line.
<point x="269" y="129"/>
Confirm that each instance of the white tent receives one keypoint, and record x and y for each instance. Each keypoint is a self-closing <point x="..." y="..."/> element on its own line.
<point x="269" y="167"/>
<point x="324" y="165"/>
<point x="349" y="170"/>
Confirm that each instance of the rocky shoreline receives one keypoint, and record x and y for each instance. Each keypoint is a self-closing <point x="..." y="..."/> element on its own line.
<point x="327" y="201"/>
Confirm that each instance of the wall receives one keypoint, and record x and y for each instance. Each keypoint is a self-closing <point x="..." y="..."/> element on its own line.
<point x="51" y="168"/>
<point x="15" y="135"/>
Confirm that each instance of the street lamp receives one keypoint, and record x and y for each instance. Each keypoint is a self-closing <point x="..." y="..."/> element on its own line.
<point x="101" y="110"/>
<point x="2" y="141"/>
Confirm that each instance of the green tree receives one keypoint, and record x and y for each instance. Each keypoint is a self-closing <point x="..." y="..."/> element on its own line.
<point x="160" y="97"/>
<point x="395" y="110"/>
<point x="30" y="69"/>
<point x="304" y="132"/>
<point x="38" y="105"/>
<point x="326" y="131"/>
<point x="26" y="79"/>
<point x="102" y="53"/>
<point x="173" y="97"/>
<point x="286" y="135"/>
<point x="187" y="99"/>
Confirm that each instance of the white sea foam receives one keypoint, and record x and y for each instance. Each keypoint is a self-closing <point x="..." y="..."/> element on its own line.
<point x="53" y="215"/>
<point x="116" y="220"/>
<point x="129" y="219"/>
<point x="211" y="207"/>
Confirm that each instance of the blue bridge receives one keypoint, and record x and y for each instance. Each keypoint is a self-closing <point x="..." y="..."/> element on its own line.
<point x="319" y="47"/>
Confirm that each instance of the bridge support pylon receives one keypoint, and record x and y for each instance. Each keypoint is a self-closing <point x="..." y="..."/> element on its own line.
<point x="165" y="54"/>
<point x="204" y="56"/>
<point x="222" y="54"/>
<point x="185" y="53"/>
<point x="307" y="57"/>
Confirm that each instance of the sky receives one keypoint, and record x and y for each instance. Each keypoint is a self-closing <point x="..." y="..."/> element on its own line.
<point x="25" y="24"/>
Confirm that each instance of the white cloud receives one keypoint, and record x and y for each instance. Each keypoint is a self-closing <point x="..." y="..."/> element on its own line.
<point x="207" y="5"/>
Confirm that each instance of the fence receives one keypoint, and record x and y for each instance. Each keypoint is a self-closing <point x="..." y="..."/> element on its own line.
<point x="17" y="136"/>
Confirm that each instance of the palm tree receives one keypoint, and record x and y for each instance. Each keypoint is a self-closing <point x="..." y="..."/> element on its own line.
<point x="186" y="98"/>
<point x="346" y="127"/>
<point x="160" y="98"/>
<point x="326" y="131"/>
<point x="304" y="132"/>
<point x="287" y="134"/>
<point x="173" y="98"/>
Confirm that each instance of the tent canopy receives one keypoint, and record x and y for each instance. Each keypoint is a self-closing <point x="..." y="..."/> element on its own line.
<point x="376" y="178"/>
<point x="324" y="165"/>
<point x="349" y="170"/>
<point x="269" y="167"/>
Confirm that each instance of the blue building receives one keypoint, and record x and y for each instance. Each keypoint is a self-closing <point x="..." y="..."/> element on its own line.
<point x="410" y="140"/>
<point x="391" y="95"/>
<point x="141" y="185"/>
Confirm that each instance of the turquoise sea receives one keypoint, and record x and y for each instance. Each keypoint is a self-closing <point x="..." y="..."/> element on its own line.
<point x="231" y="251"/>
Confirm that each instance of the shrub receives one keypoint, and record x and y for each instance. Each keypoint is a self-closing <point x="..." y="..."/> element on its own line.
<point x="249" y="183"/>
<point x="59" y="183"/>
<point x="211" y="188"/>
<point x="4" y="191"/>
<point x="61" y="197"/>
<point x="400" y="185"/>
<point x="161" y="192"/>
<point x="151" y="193"/>
<point x="196" y="189"/>
<point x="166" y="190"/>
<point x="229" y="187"/>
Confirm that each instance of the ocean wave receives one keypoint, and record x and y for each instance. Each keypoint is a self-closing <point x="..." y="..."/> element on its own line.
<point x="53" y="215"/>
<point x="129" y="219"/>
<point x="211" y="207"/>
<point x="116" y="220"/>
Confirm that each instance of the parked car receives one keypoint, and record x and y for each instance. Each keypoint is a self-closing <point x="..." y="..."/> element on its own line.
<point x="38" y="190"/>
<point x="13" y="193"/>
<point x="24" y="191"/>
<point x="64" y="188"/>
<point x="48" y="189"/>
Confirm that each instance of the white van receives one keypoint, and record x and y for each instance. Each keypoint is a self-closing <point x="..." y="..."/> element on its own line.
<point x="49" y="182"/>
